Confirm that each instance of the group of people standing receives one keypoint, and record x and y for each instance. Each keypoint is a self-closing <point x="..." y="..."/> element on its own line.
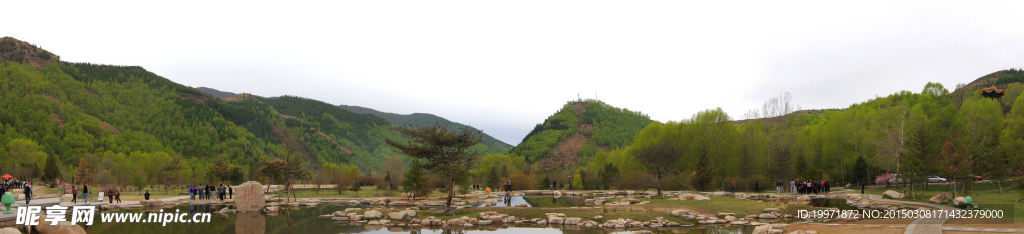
<point x="14" y="184"/>
<point x="810" y="186"/>
<point x="26" y="186"/>
<point x="222" y="192"/>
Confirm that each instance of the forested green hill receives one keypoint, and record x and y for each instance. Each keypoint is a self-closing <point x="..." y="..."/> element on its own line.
<point x="579" y="130"/>
<point x="128" y="124"/>
<point x="424" y="119"/>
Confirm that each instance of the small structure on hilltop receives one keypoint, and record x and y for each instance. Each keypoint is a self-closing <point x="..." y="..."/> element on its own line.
<point x="992" y="92"/>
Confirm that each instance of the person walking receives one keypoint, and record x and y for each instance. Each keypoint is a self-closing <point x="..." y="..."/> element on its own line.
<point x="757" y="186"/>
<point x="792" y="186"/>
<point x="85" y="192"/>
<point x="554" y="184"/>
<point x="117" y="195"/>
<point x="74" y="195"/>
<point x="209" y="189"/>
<point x="110" y="196"/>
<point x="28" y="194"/>
<point x="508" y="184"/>
<point x="220" y="192"/>
<point x="231" y="192"/>
<point x="147" y="195"/>
<point x="778" y="186"/>
<point x="861" y="187"/>
<point x="192" y="192"/>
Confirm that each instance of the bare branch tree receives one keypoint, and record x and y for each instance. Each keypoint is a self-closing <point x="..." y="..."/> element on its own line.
<point x="659" y="159"/>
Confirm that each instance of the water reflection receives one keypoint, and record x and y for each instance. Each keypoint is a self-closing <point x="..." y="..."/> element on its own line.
<point x="306" y="221"/>
<point x="829" y="203"/>
<point x="536" y="201"/>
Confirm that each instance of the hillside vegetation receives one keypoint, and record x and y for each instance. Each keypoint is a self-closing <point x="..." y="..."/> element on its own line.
<point x="579" y="130"/>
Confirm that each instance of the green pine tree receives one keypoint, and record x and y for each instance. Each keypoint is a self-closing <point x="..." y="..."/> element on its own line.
<point x="704" y="173"/>
<point x="51" y="171"/>
<point x="415" y="182"/>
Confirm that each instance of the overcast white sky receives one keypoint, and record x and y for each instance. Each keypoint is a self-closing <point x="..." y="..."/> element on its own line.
<point x="504" y="66"/>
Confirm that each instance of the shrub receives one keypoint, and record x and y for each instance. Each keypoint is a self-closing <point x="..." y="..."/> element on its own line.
<point x="884" y="178"/>
<point x="522" y="181"/>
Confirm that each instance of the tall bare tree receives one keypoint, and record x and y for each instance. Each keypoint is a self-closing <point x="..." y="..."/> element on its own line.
<point x="774" y="113"/>
<point x="893" y="125"/>
<point x="443" y="152"/>
<point x="291" y="168"/>
<point x="659" y="158"/>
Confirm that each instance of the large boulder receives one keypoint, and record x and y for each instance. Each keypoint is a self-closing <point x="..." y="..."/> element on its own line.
<point x="9" y="230"/>
<point x="62" y="227"/>
<point x="249" y="197"/>
<point x="893" y="194"/>
<point x="940" y="198"/>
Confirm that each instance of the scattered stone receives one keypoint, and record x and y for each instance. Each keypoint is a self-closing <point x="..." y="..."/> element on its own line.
<point x="959" y="201"/>
<point x="396" y="215"/>
<point x="767" y="216"/>
<point x="373" y="214"/>
<point x="151" y="203"/>
<point x="893" y="194"/>
<point x="763" y="229"/>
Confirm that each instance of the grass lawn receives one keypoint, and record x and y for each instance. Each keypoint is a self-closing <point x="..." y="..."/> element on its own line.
<point x="987" y="196"/>
<point x="330" y="192"/>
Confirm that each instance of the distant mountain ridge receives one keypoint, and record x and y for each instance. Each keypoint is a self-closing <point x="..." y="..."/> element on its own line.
<point x="421" y="119"/>
<point x="424" y="119"/>
<point x="216" y="93"/>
